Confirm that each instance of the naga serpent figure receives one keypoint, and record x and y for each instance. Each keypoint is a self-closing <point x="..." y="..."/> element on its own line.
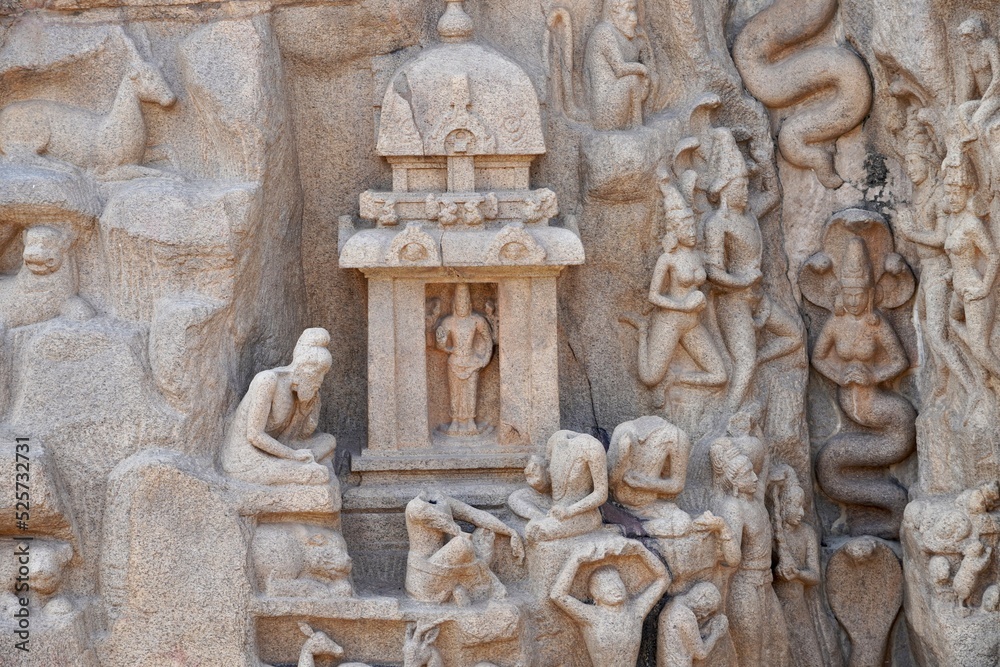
<point x="858" y="349"/>
<point x="780" y="75"/>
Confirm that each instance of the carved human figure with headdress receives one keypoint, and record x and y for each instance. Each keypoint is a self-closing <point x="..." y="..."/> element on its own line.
<point x="756" y="621"/>
<point x="798" y="570"/>
<point x="974" y="263"/>
<point x="271" y="438"/>
<point x="858" y="347"/>
<point x="468" y="339"/>
<point x="922" y="223"/>
<point x="674" y="291"/>
<point x="618" y="64"/>
<point x="733" y="250"/>
<point x="855" y="277"/>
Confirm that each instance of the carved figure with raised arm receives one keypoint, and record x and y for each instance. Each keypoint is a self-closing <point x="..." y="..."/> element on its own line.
<point x="924" y="224"/>
<point x="567" y="488"/>
<point x="857" y="348"/>
<point x="690" y="626"/>
<point x="446" y="564"/>
<point x="272" y="438"/>
<point x="679" y="304"/>
<point x="756" y="622"/>
<point x="733" y="250"/>
<point x="975" y="261"/>
<point x="612" y="626"/>
<point x="468" y="339"/>
<point x="618" y="65"/>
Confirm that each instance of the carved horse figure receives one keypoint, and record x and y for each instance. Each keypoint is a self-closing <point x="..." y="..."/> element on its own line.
<point x="111" y="144"/>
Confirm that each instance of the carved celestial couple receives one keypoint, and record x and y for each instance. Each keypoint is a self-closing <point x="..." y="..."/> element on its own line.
<point x="729" y="262"/>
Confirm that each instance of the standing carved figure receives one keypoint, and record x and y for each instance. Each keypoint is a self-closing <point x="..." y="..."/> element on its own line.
<point x="272" y="439"/>
<point x="468" y="339"/>
<point x="618" y="64"/>
<point x="798" y="573"/>
<point x="857" y="348"/>
<point x="829" y="87"/>
<point x="974" y="264"/>
<point x="733" y="249"/>
<point x="674" y="291"/>
<point x="756" y="622"/>
<point x="922" y="224"/>
<point x="111" y="144"/>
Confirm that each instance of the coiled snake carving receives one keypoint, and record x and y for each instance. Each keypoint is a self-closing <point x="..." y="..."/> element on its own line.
<point x="832" y="81"/>
<point x="857" y="277"/>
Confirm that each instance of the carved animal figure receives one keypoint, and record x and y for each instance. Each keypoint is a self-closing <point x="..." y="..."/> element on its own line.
<point x="46" y="285"/>
<point x="103" y="143"/>
<point x="319" y="643"/>
<point x="301" y="561"/>
<point x="833" y="79"/>
<point x="419" y="649"/>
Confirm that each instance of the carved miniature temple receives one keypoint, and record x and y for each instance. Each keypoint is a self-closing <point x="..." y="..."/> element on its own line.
<point x="460" y="127"/>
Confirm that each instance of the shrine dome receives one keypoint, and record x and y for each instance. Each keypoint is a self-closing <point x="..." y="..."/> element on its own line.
<point x="460" y="98"/>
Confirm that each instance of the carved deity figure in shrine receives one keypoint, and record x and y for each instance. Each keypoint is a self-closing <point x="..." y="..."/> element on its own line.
<point x="272" y="439"/>
<point x="468" y="339"/>
<point x="618" y="65"/>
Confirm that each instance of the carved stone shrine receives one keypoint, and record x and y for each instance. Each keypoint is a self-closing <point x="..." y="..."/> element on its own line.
<point x="499" y="333"/>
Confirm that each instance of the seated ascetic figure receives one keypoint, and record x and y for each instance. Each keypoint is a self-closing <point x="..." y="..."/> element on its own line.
<point x="567" y="488"/>
<point x="618" y="64"/>
<point x="648" y="460"/>
<point x="272" y="439"/>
